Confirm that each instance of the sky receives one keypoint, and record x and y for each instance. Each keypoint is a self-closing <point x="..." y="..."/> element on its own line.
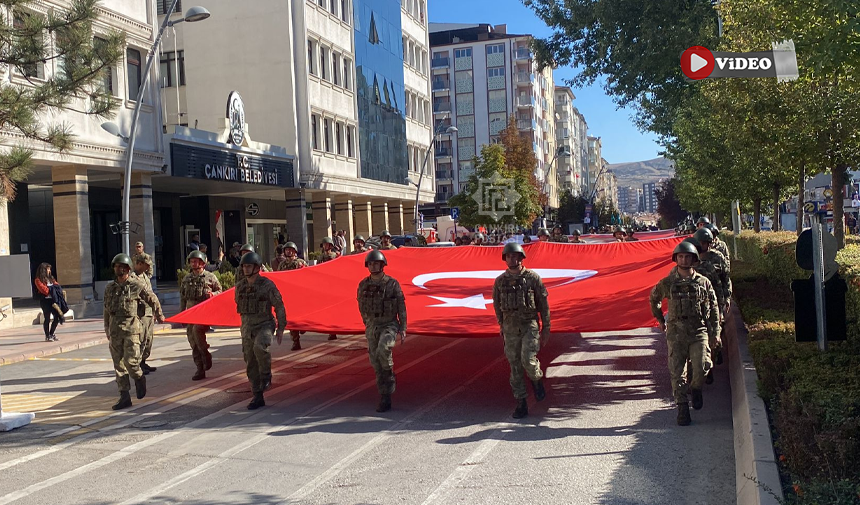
<point x="622" y="141"/>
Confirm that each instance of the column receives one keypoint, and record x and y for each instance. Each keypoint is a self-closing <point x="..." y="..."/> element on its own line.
<point x="297" y="222"/>
<point x="380" y="216"/>
<point x="5" y="303"/>
<point x="74" y="269"/>
<point x="409" y="217"/>
<point x="395" y="217"/>
<point x="363" y="218"/>
<point x="343" y="217"/>
<point x="140" y="214"/>
<point x="321" y="207"/>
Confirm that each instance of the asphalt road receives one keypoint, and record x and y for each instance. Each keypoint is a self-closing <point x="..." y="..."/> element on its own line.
<point x="605" y="434"/>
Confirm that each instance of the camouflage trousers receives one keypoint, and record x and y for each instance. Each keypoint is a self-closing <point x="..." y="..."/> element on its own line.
<point x="197" y="339"/>
<point x="380" y="341"/>
<point x="125" y="352"/>
<point x="687" y="347"/>
<point x="256" y="340"/>
<point x="295" y="335"/>
<point x="147" y="328"/>
<point x="522" y="343"/>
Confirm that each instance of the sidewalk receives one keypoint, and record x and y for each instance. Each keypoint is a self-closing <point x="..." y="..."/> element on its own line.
<point x="20" y="344"/>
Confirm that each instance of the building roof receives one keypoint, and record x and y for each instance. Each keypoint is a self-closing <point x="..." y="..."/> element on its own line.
<point x="444" y="27"/>
<point x="442" y="34"/>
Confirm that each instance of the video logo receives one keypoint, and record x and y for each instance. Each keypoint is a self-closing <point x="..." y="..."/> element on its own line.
<point x="699" y="63"/>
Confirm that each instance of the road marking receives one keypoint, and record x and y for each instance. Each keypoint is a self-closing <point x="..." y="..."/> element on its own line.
<point x="146" y="496"/>
<point x="338" y="467"/>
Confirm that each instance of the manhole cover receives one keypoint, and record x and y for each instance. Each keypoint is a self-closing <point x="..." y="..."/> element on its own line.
<point x="305" y="365"/>
<point x="356" y="348"/>
<point x="150" y="424"/>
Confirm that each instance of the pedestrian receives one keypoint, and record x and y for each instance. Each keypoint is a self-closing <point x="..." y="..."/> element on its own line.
<point x="293" y="262"/>
<point x="358" y="246"/>
<point x="255" y="298"/>
<point x="211" y="265"/>
<point x="279" y="258"/>
<point x="543" y="235"/>
<point x="520" y="299"/>
<point x="51" y="292"/>
<point x="194" y="245"/>
<point x="340" y="242"/>
<point x="139" y="253"/>
<point x="144" y="313"/>
<point x="692" y="319"/>
<point x="385" y="239"/>
<point x="558" y="235"/>
<point x="123" y="327"/>
<point x="198" y="286"/>
<point x="383" y="310"/>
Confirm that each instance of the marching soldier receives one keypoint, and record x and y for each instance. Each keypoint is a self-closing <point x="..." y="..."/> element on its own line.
<point x="123" y="328"/>
<point x="255" y="298"/>
<point x="138" y="253"/>
<point x="543" y="235"/>
<point x="558" y="235"/>
<point x="630" y="237"/>
<point x="385" y="238"/>
<point x="692" y="320"/>
<point x="144" y="312"/>
<point x="358" y="245"/>
<point x="198" y="286"/>
<point x="328" y="252"/>
<point x="577" y="237"/>
<point x="519" y="299"/>
<point x="719" y="245"/>
<point x="619" y="234"/>
<point x="702" y="222"/>
<point x="723" y="287"/>
<point x="383" y="310"/>
<point x="293" y="262"/>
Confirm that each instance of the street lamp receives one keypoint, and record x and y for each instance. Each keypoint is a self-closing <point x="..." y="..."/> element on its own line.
<point x="561" y="151"/>
<point x="191" y="15"/>
<point x="439" y="131"/>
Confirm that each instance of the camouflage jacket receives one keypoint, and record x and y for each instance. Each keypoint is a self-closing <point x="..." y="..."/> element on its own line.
<point x="519" y="297"/>
<point x="562" y="239"/>
<point x="719" y="245"/>
<point x="328" y="256"/>
<point x="387" y="247"/>
<point x="196" y="288"/>
<point x="291" y="264"/>
<point x="360" y="251"/>
<point x="255" y="301"/>
<point x="381" y="302"/>
<point x="721" y="265"/>
<point x="143" y="308"/>
<point x="692" y="305"/>
<point x="121" y="305"/>
<point x="146" y="259"/>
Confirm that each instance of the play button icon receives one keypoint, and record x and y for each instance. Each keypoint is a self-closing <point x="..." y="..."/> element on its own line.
<point x="697" y="62"/>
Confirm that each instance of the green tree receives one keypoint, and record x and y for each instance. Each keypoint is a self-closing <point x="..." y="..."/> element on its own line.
<point x="668" y="206"/>
<point x="571" y="209"/>
<point x="28" y="42"/>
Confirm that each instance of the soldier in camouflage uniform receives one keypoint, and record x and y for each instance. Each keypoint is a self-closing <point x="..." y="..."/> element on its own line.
<point x="255" y="298"/>
<point x="328" y="252"/>
<point x="519" y="298"/>
<point x="198" y="286"/>
<point x="708" y="255"/>
<point x="144" y="312"/>
<point x="138" y="253"/>
<point x="123" y="328"/>
<point x="543" y="235"/>
<point x="719" y="245"/>
<point x="619" y="234"/>
<point x="577" y="237"/>
<point x="693" y="319"/>
<point x="293" y="262"/>
<point x="385" y="239"/>
<point x="383" y="310"/>
<point x="358" y="245"/>
<point x="558" y="235"/>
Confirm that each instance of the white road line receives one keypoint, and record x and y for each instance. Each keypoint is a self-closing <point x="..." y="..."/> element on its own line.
<point x="162" y="409"/>
<point x="146" y="496"/>
<point x="335" y="469"/>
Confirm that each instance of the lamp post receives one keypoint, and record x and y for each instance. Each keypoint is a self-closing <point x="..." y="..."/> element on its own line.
<point x="191" y="15"/>
<point x="450" y="129"/>
<point x="561" y="151"/>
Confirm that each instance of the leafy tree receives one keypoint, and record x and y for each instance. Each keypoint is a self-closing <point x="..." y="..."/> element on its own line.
<point x="668" y="206"/>
<point x="571" y="209"/>
<point x="31" y="40"/>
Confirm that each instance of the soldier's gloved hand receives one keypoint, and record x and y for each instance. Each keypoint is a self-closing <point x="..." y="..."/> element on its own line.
<point x="544" y="335"/>
<point x="402" y="335"/>
<point x="279" y="335"/>
<point x="159" y="319"/>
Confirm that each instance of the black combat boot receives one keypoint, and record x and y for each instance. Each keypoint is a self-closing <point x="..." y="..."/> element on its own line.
<point x="697" y="399"/>
<point x="709" y="377"/>
<point x="718" y="356"/>
<point x="124" y="401"/>
<point x="296" y="346"/>
<point x="146" y="368"/>
<point x="684" y="414"/>
<point x="207" y="358"/>
<point x="257" y="402"/>
<point x="200" y="375"/>
<point x="540" y="392"/>
<point x="384" y="404"/>
<point x="140" y="387"/>
<point x="332" y="337"/>
<point x="522" y="409"/>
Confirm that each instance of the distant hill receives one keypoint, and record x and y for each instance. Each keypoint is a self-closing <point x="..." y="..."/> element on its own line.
<point x="637" y="173"/>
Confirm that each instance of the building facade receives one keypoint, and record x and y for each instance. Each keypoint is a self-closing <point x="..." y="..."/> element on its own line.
<point x="628" y="200"/>
<point x="649" y="197"/>
<point x="482" y="76"/>
<point x="571" y="134"/>
<point x="594" y="166"/>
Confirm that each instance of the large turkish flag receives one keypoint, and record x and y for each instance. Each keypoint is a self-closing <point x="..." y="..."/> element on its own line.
<point x="449" y="291"/>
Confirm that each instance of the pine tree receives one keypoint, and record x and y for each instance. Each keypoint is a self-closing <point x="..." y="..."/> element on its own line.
<point x="83" y="61"/>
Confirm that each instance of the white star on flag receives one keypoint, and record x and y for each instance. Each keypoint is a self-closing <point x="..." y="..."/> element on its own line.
<point x="472" y="302"/>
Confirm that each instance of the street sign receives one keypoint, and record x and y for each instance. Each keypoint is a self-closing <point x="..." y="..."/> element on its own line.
<point x="810" y="207"/>
<point x="828" y="193"/>
<point x="455" y="212"/>
<point x="253" y="209"/>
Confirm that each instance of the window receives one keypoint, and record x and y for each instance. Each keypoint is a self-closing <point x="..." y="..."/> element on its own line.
<point x="327" y="135"/>
<point x="321" y="3"/>
<point x="463" y="53"/>
<point x="27" y="69"/>
<point x="315" y="131"/>
<point x="496" y="72"/>
<point x="344" y="11"/>
<point x="411" y="165"/>
<point x="408" y="105"/>
<point x="333" y="7"/>
<point x="347" y="72"/>
<point x="405" y="49"/>
<point x="132" y="59"/>
<point x="338" y="136"/>
<point x="421" y="10"/>
<point x="350" y="134"/>
<point x="323" y="59"/>
<point x="168" y="65"/>
<point x="411" y="54"/>
<point x="311" y="59"/>
<point x="163" y="5"/>
<point x="496" y="49"/>
<point x="335" y="68"/>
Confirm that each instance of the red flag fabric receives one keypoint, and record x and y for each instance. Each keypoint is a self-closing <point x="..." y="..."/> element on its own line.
<point x="449" y="291"/>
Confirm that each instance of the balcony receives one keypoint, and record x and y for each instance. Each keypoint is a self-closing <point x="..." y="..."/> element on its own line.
<point x="440" y="63"/>
<point x="524" y="78"/>
<point x="443" y="152"/>
<point x="442" y="197"/>
<point x="443" y="174"/>
<point x="523" y="54"/>
<point x="442" y="108"/>
<point x="441" y="85"/>
<point x="525" y="124"/>
<point x="525" y="101"/>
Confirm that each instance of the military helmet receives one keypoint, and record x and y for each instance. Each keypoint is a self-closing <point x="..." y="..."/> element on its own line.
<point x="704" y="235"/>
<point x="619" y="229"/>
<point x="385" y="233"/>
<point x="359" y="238"/>
<point x="686" y="246"/>
<point x="196" y="254"/>
<point x="698" y="245"/>
<point x="513" y="247"/>
<point x="480" y="236"/>
<point x="557" y="227"/>
<point x="375" y="255"/>
<point x="543" y="232"/>
<point x="123" y="259"/>
<point x="327" y="240"/>
<point x="713" y="229"/>
<point x="577" y="232"/>
<point x="291" y="245"/>
<point x="703" y="220"/>
<point x="247" y="247"/>
<point x="251" y="258"/>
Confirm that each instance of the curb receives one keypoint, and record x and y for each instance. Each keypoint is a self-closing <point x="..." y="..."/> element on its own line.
<point x="756" y="471"/>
